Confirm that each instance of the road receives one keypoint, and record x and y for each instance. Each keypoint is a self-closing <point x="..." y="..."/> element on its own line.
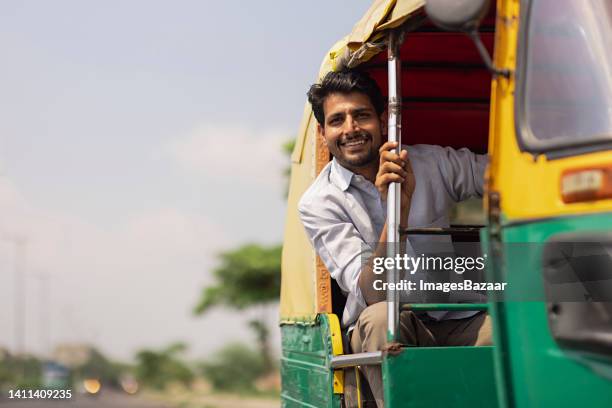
<point x="104" y="400"/>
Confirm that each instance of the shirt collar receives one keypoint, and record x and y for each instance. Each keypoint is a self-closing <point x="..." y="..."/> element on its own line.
<point x="340" y="176"/>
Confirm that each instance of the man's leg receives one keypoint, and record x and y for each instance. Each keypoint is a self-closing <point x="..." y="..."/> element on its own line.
<point x="473" y="331"/>
<point x="370" y="334"/>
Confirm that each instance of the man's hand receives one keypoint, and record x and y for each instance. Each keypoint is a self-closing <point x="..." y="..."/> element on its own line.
<point x="394" y="168"/>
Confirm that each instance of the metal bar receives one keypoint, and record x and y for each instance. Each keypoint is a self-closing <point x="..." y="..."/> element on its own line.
<point x="430" y="307"/>
<point x="433" y="29"/>
<point x="394" y="194"/>
<point x="436" y="65"/>
<point x="424" y="99"/>
<point x="484" y="54"/>
<point x="441" y="230"/>
<point x="357" y="359"/>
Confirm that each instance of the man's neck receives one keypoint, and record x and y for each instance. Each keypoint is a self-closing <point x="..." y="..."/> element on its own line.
<point x="369" y="171"/>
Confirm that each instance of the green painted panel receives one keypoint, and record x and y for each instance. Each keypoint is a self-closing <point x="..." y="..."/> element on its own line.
<point x="419" y="307"/>
<point x="426" y="377"/>
<point x="306" y="379"/>
<point x="534" y="370"/>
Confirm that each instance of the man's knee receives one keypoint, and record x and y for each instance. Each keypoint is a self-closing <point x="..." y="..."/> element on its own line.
<point x="374" y="315"/>
<point x="485" y="333"/>
<point x="370" y="332"/>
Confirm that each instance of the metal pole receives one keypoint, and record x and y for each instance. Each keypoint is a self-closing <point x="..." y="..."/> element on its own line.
<point x="44" y="313"/>
<point x="20" y="294"/>
<point x="394" y="196"/>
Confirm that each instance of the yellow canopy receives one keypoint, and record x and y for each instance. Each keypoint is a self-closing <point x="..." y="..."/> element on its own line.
<point x="368" y="36"/>
<point x="298" y="294"/>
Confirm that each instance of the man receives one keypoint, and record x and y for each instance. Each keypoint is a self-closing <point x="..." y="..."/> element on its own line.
<point x="344" y="212"/>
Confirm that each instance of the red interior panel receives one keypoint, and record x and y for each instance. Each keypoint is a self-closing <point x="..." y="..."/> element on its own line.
<point x="445" y="87"/>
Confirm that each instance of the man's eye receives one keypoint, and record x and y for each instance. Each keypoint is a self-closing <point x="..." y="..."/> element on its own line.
<point x="363" y="115"/>
<point x="335" y="121"/>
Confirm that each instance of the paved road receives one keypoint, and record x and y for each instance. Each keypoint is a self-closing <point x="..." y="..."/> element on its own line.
<point x="104" y="400"/>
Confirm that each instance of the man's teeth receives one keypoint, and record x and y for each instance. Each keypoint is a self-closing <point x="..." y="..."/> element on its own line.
<point x="355" y="142"/>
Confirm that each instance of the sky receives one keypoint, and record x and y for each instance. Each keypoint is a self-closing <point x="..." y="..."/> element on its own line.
<point x="138" y="139"/>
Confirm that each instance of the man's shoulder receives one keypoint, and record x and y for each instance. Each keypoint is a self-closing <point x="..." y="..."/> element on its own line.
<point x="317" y="192"/>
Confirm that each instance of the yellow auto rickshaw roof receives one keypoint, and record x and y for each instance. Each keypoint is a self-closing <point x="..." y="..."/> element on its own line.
<point x="368" y="35"/>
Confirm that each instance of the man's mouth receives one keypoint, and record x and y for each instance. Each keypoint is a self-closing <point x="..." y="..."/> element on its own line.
<point x="354" y="142"/>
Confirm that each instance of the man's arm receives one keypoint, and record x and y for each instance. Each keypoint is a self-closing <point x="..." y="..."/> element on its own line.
<point x="462" y="172"/>
<point x="336" y="240"/>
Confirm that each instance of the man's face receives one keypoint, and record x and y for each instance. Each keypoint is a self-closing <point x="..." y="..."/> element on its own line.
<point x="353" y="130"/>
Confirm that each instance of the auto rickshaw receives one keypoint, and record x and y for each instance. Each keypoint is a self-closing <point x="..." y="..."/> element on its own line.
<point x="529" y="82"/>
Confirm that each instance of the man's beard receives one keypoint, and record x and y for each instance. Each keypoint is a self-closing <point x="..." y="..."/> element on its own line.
<point x="364" y="159"/>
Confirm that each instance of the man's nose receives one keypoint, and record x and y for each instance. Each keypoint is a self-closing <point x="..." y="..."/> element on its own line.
<point x="350" y="125"/>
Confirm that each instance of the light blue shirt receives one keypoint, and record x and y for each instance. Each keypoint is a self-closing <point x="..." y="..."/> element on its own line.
<point x="343" y="213"/>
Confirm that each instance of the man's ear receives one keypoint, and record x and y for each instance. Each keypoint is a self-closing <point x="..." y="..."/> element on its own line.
<point x="321" y="131"/>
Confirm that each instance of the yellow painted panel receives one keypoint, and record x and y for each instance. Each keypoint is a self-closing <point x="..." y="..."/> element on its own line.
<point x="298" y="262"/>
<point x="336" y="339"/>
<point x="529" y="188"/>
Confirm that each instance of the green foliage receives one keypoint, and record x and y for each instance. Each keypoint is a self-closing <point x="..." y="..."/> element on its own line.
<point x="235" y="368"/>
<point x="98" y="366"/>
<point x="288" y="147"/>
<point x="158" y="368"/>
<point x="249" y="275"/>
<point x="22" y="371"/>
<point x="263" y="340"/>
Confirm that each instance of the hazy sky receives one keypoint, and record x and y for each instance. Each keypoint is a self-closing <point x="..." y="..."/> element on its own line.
<point x="137" y="140"/>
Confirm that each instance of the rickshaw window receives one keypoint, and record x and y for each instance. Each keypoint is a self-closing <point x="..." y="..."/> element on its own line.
<point x="564" y="76"/>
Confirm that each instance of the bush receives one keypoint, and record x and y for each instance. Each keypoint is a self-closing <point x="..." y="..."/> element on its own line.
<point x="20" y="372"/>
<point x="98" y="366"/>
<point x="235" y="368"/>
<point x="158" y="368"/>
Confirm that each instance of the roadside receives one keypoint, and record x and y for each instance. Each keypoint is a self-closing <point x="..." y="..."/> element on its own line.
<point x="198" y="399"/>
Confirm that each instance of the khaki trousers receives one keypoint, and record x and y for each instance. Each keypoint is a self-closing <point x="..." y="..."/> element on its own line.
<point x="370" y="334"/>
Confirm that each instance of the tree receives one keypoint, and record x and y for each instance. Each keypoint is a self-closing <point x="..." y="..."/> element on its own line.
<point x="98" y="366"/>
<point x="288" y="147"/>
<point x="236" y="367"/>
<point x="22" y="371"/>
<point x="156" y="368"/>
<point x="248" y="276"/>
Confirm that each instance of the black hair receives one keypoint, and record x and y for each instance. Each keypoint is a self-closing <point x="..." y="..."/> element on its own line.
<point x="344" y="82"/>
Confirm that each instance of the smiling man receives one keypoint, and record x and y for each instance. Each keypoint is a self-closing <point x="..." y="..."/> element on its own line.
<point x="344" y="212"/>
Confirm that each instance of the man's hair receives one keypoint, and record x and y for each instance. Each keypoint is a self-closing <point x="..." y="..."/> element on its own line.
<point x="344" y="82"/>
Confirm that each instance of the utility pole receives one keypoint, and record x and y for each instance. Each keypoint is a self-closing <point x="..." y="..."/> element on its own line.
<point x="20" y="243"/>
<point x="20" y="295"/>
<point x="44" y="312"/>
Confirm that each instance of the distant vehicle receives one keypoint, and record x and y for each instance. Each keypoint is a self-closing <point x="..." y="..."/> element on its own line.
<point x="129" y="384"/>
<point x="55" y="375"/>
<point x="92" y="386"/>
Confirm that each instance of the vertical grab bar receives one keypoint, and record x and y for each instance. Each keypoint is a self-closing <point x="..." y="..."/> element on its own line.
<point x="393" y="198"/>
